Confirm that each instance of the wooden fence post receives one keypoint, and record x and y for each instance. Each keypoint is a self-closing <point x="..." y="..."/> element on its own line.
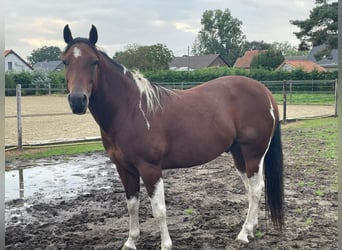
<point x="336" y="98"/>
<point x="19" y="123"/>
<point x="284" y="102"/>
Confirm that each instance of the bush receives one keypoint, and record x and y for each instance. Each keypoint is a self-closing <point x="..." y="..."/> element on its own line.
<point x="35" y="83"/>
<point x="260" y="74"/>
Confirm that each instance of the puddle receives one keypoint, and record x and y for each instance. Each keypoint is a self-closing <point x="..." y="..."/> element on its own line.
<point x="58" y="177"/>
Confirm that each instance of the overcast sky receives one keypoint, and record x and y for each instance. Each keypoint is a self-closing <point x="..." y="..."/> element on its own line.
<point x="32" y="24"/>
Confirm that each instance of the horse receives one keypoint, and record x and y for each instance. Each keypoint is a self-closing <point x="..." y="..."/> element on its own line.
<point x="146" y="128"/>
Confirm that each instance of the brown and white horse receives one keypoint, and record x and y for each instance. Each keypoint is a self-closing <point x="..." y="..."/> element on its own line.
<point x="146" y="128"/>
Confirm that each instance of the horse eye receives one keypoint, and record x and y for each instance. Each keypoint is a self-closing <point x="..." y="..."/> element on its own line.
<point x="94" y="63"/>
<point x="65" y="62"/>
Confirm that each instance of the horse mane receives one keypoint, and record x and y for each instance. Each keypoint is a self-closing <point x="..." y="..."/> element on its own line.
<point x="151" y="91"/>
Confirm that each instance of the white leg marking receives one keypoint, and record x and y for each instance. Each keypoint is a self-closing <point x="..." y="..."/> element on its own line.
<point x="255" y="186"/>
<point x="134" y="231"/>
<point x="159" y="212"/>
<point x="77" y="52"/>
<point x="244" y="179"/>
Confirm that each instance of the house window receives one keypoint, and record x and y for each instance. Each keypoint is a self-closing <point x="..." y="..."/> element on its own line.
<point x="10" y="66"/>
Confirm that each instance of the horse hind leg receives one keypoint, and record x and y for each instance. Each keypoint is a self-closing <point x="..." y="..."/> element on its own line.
<point x="254" y="184"/>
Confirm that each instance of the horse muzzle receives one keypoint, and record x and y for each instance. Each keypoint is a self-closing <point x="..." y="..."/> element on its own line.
<point x="78" y="103"/>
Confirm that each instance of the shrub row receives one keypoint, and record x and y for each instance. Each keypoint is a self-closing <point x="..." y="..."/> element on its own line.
<point x="35" y="83"/>
<point x="206" y="74"/>
<point x="39" y="82"/>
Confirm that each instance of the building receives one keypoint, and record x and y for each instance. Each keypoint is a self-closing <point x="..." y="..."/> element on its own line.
<point x="328" y="62"/>
<point x="245" y="61"/>
<point x="184" y="63"/>
<point x="306" y="65"/>
<point x="14" y="63"/>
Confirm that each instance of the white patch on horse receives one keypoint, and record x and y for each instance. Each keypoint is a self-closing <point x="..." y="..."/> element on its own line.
<point x="124" y="70"/>
<point x="144" y="115"/>
<point x="271" y="110"/>
<point x="146" y="88"/>
<point x="159" y="212"/>
<point x="134" y="231"/>
<point x="77" y="52"/>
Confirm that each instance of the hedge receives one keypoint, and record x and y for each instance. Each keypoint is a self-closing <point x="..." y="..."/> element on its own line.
<point x="38" y="82"/>
<point x="34" y="83"/>
<point x="206" y="74"/>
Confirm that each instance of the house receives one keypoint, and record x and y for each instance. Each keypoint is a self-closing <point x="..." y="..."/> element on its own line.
<point x="244" y="62"/>
<point x="306" y="65"/>
<point x="14" y="63"/>
<point x="329" y="62"/>
<point x="196" y="62"/>
<point x="49" y="66"/>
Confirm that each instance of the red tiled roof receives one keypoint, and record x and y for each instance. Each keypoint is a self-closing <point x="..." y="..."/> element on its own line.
<point x="7" y="51"/>
<point x="246" y="59"/>
<point x="306" y="65"/>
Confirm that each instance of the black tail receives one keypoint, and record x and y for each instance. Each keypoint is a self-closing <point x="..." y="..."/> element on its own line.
<point x="274" y="185"/>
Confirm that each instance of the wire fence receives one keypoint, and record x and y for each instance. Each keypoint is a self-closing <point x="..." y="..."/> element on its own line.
<point x="38" y="119"/>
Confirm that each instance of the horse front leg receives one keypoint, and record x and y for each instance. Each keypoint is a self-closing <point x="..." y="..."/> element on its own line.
<point x="155" y="189"/>
<point x="131" y="183"/>
<point x="134" y="230"/>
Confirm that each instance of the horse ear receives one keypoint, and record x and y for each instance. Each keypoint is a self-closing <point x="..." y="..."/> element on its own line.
<point x="67" y="34"/>
<point x="93" y="35"/>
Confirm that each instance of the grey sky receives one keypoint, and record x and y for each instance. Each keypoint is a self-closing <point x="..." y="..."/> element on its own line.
<point x="32" y="24"/>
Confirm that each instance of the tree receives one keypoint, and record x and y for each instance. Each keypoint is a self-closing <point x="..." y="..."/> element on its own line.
<point x="270" y="59"/>
<point x="46" y="53"/>
<point x="287" y="49"/>
<point x="153" y="57"/>
<point x="220" y="34"/>
<point x="320" y="28"/>
<point x="256" y="45"/>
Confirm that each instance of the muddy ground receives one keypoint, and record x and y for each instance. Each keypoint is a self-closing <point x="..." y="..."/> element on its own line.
<point x="206" y="207"/>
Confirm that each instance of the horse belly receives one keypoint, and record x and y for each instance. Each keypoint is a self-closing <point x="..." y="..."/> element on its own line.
<point x="189" y="151"/>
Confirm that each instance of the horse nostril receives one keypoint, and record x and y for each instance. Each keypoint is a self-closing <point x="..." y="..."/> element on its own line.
<point x="85" y="100"/>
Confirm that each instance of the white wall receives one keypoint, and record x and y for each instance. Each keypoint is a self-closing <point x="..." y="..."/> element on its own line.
<point x="17" y="64"/>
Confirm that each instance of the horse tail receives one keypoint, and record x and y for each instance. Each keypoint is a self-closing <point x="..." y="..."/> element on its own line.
<point x="274" y="185"/>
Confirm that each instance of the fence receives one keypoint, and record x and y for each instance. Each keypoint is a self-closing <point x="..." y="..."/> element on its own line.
<point x="51" y="110"/>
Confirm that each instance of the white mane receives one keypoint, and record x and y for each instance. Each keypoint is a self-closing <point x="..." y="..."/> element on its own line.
<point x="152" y="94"/>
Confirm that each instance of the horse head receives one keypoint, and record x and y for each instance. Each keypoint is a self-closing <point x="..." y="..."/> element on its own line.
<point x="81" y="68"/>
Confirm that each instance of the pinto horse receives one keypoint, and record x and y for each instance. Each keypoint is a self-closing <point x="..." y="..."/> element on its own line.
<point x="146" y="128"/>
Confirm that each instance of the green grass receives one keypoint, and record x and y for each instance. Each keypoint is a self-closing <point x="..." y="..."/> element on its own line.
<point x="189" y="211"/>
<point x="50" y="151"/>
<point x="319" y="193"/>
<point x="307" y="98"/>
<point x="318" y="135"/>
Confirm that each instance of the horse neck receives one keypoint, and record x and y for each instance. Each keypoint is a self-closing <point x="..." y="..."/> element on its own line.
<point x="115" y="95"/>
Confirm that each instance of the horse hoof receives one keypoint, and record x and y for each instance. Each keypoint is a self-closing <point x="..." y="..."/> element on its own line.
<point x="242" y="239"/>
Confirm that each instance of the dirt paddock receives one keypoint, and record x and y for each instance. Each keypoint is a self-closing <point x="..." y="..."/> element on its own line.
<point x="59" y="124"/>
